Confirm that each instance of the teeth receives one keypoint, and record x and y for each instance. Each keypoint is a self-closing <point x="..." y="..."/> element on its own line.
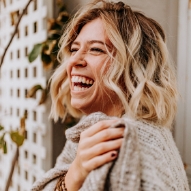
<point x="79" y="79"/>
<point x="77" y="88"/>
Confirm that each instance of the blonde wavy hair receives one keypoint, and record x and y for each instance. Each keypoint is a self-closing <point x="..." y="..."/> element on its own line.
<point x="141" y="73"/>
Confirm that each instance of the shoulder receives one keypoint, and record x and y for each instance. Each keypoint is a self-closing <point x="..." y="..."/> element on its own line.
<point x="153" y="138"/>
<point x="159" y="154"/>
<point x="149" y="131"/>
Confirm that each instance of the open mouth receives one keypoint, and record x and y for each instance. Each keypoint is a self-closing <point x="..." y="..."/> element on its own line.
<point x="81" y="83"/>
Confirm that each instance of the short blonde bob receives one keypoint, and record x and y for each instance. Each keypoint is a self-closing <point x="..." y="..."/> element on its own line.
<point x="142" y="73"/>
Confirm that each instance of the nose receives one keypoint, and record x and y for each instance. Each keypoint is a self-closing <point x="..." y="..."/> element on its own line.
<point x="78" y="59"/>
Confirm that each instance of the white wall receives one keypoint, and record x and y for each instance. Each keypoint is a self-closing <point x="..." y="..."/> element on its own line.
<point x="183" y="119"/>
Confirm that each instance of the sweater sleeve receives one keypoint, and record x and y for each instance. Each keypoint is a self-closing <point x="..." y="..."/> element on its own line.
<point x="160" y="160"/>
<point x="49" y="179"/>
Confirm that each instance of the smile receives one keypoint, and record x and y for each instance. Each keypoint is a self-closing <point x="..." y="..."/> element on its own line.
<point x="81" y="83"/>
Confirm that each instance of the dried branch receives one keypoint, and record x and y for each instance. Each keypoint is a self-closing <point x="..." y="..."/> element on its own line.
<point x="14" y="161"/>
<point x="15" y="32"/>
<point x="16" y="155"/>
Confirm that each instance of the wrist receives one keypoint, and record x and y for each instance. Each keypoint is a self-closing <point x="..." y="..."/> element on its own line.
<point x="74" y="177"/>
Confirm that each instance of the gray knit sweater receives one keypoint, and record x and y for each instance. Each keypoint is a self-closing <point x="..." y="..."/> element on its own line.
<point x="148" y="160"/>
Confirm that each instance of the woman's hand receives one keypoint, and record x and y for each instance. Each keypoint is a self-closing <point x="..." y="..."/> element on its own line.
<point x="98" y="145"/>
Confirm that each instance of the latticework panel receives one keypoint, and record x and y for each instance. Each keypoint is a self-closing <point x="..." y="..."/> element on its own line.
<point x="17" y="76"/>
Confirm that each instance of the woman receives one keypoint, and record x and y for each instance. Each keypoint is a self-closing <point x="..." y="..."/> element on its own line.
<point x="115" y="71"/>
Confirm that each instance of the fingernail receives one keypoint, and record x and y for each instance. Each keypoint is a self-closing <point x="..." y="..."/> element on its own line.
<point x="113" y="154"/>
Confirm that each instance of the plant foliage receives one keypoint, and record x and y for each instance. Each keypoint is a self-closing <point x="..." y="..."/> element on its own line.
<point x="47" y="50"/>
<point x="35" y="52"/>
<point x="17" y="136"/>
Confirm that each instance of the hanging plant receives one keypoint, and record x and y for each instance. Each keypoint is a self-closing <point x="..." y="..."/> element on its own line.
<point x="48" y="50"/>
<point x="17" y="136"/>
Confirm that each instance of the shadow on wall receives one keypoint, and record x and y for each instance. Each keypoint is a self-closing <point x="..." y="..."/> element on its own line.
<point x="74" y="5"/>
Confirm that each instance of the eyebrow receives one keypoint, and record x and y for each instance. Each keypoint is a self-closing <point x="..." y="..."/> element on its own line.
<point x="92" y="42"/>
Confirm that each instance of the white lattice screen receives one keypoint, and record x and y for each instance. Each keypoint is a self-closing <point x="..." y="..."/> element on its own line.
<point x="17" y="75"/>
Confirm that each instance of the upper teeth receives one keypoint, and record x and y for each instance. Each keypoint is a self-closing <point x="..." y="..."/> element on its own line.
<point x="79" y="79"/>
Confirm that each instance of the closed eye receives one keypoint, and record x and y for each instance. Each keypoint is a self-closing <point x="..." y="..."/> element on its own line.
<point x="73" y="50"/>
<point x="97" y="50"/>
<point x="93" y="50"/>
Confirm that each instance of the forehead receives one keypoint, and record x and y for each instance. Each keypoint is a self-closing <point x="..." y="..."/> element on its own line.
<point x="94" y="30"/>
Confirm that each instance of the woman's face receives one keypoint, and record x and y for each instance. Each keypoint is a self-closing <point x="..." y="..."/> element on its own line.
<point x="88" y="55"/>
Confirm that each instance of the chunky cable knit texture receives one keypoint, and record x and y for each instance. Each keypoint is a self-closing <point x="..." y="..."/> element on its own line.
<point x="148" y="160"/>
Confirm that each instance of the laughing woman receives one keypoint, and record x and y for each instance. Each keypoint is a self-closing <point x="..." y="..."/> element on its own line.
<point x="115" y="72"/>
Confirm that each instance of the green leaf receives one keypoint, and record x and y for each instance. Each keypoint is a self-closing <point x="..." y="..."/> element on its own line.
<point x="32" y="92"/>
<point x="17" y="138"/>
<point x="49" y="46"/>
<point x="46" y="60"/>
<point x="2" y="138"/>
<point x="54" y="36"/>
<point x="53" y="25"/>
<point x="63" y="17"/>
<point x="35" y="52"/>
<point x="1" y="128"/>
<point x="62" y="8"/>
<point x="43" y="98"/>
<point x="3" y="144"/>
<point x="5" y="148"/>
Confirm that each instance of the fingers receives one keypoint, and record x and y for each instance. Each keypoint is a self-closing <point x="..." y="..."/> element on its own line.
<point x="102" y="136"/>
<point x="101" y="148"/>
<point x="98" y="145"/>
<point x="98" y="127"/>
<point x="107" y="134"/>
<point x="100" y="160"/>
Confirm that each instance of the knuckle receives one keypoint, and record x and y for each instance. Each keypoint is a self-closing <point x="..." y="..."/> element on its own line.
<point x="86" y="166"/>
<point x="96" y="164"/>
<point x="118" y="142"/>
<point x="102" y="123"/>
<point x="82" y="155"/>
<point x="105" y="134"/>
<point x="82" y="143"/>
<point x="82" y="135"/>
<point x="101" y="148"/>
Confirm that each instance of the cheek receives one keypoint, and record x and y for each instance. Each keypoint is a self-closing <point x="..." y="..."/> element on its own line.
<point x="103" y="68"/>
<point x="68" y="68"/>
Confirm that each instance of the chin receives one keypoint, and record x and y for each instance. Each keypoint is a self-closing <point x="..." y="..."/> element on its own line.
<point x="77" y="105"/>
<point x="86" y="109"/>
